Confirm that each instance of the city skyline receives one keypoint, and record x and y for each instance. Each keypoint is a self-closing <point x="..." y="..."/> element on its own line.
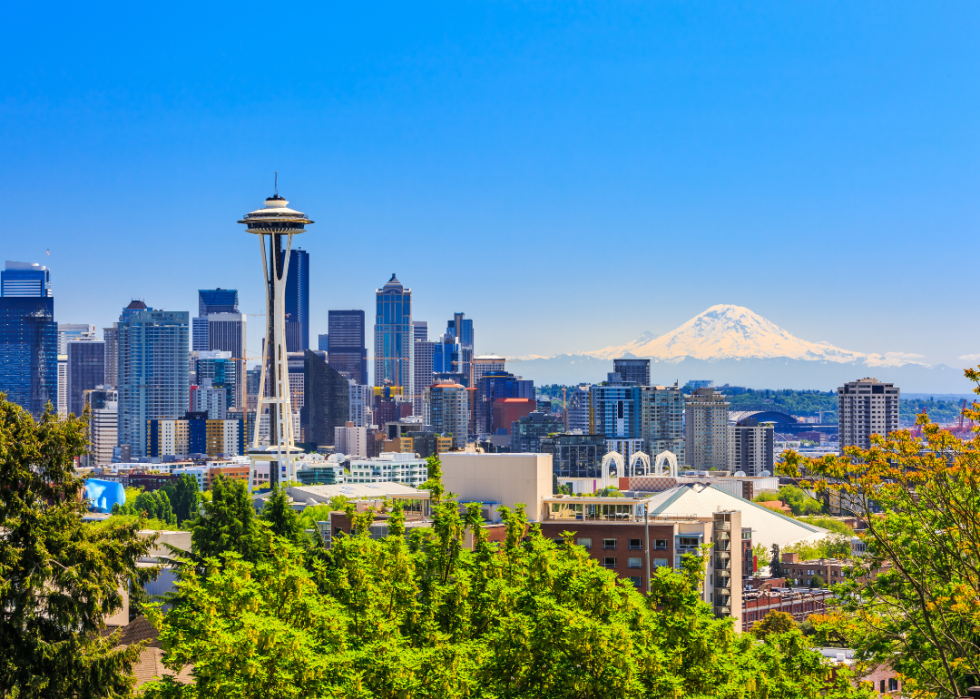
<point x="760" y="144"/>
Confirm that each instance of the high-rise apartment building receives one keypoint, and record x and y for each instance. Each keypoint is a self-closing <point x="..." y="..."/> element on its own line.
<point x="86" y="369"/>
<point x="28" y="337"/>
<point x="447" y="411"/>
<point x="706" y="424"/>
<point x="662" y="420"/>
<point x="614" y="408"/>
<point x="346" y="348"/>
<point x="298" y="301"/>
<point x="360" y="398"/>
<point x="633" y="370"/>
<point x="423" y="357"/>
<point x="750" y="447"/>
<point x="327" y="401"/>
<point x="109" y="336"/>
<point x="69" y="332"/>
<point x="153" y="370"/>
<point x="103" y="425"/>
<point x="393" y="336"/>
<point x="866" y="407"/>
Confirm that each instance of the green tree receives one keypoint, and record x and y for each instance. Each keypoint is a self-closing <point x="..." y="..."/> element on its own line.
<point x="228" y="523"/>
<point x="762" y="555"/>
<point x="282" y="519"/>
<point x="59" y="577"/>
<point x="185" y="498"/>
<point x="774" y="622"/>
<point x="911" y="600"/>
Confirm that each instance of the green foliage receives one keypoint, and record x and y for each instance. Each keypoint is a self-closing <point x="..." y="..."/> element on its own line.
<point x="829" y="523"/>
<point x="941" y="411"/>
<point x="774" y="622"/>
<point x="59" y="577"/>
<point x="762" y="555"/>
<point x="228" y="523"/>
<point x="798" y="501"/>
<point x="766" y="497"/>
<point x="185" y="497"/>
<point x="154" y="505"/>
<point x="282" y="519"/>
<point x="818" y="581"/>
<point x="427" y="617"/>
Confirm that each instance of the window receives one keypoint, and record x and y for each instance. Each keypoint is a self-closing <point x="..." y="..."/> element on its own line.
<point x="892" y="684"/>
<point x="688" y="542"/>
<point x="881" y="685"/>
<point x="560" y="540"/>
<point x="584" y="542"/>
<point x="608" y="543"/>
<point x="660" y="544"/>
<point x="636" y="580"/>
<point x="636" y="543"/>
<point x="609" y="562"/>
<point x="659" y="562"/>
<point x="634" y="562"/>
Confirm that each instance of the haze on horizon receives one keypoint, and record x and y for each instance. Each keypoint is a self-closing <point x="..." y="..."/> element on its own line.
<point x="569" y="176"/>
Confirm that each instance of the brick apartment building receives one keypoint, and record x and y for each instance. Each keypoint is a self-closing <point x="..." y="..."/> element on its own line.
<point x="830" y="570"/>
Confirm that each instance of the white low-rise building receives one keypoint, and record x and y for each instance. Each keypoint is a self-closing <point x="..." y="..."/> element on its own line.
<point x="390" y="467"/>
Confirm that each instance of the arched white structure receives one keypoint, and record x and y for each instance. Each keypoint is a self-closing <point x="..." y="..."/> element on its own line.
<point x="643" y="459"/>
<point x="613" y="456"/>
<point x="671" y="459"/>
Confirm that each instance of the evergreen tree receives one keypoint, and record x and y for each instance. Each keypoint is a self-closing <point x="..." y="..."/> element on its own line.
<point x="185" y="498"/>
<point x="59" y="577"/>
<point x="228" y="523"/>
<point x="282" y="519"/>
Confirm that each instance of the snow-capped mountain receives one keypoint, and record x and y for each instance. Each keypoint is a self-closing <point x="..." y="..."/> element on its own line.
<point x="731" y="344"/>
<point x="735" y="332"/>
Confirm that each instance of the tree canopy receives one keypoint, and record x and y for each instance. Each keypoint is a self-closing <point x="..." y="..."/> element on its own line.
<point x="60" y="578"/>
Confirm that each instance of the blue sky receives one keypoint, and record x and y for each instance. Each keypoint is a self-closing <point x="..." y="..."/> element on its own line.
<point x="568" y="174"/>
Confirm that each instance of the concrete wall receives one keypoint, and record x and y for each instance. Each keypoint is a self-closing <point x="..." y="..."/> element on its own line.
<point x="505" y="478"/>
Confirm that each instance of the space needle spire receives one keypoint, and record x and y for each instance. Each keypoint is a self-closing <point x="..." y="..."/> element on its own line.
<point x="275" y="225"/>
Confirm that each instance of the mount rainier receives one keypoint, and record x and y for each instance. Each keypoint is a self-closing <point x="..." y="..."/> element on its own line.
<point x="734" y="345"/>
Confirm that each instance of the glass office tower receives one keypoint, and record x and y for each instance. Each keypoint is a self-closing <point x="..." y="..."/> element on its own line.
<point x="28" y="337"/>
<point x="393" y="345"/>
<point x="297" y="301"/>
<point x="346" y="349"/>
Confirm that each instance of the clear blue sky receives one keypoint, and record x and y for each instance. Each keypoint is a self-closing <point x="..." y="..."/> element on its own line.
<point x="568" y="174"/>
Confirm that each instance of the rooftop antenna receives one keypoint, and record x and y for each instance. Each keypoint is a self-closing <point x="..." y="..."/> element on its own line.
<point x="277" y="183"/>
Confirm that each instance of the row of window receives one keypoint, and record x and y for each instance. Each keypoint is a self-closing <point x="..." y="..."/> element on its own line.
<point x="658" y="544"/>
<point x="610" y="562"/>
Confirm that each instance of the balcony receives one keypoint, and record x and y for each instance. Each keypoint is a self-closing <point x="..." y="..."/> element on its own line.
<point x="722" y="526"/>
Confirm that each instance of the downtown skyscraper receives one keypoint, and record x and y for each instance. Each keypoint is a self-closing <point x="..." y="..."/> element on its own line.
<point x="28" y="337"/>
<point x="220" y="326"/>
<point x="346" y="349"/>
<point x="297" y="301"/>
<point x="393" y="337"/>
<point x="153" y="369"/>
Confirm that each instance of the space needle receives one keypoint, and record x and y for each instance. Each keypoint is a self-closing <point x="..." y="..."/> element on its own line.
<point x="274" y="225"/>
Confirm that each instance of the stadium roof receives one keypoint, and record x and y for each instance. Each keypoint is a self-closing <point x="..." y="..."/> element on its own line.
<point x="762" y="416"/>
<point x="768" y="527"/>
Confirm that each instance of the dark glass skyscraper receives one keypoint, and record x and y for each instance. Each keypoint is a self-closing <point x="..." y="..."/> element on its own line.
<point x="633" y="370"/>
<point x="461" y="328"/>
<point x="327" y="400"/>
<point x="29" y="352"/>
<point x="494" y="385"/>
<point x="393" y="336"/>
<point x="28" y="337"/>
<point x="217" y="301"/>
<point x="86" y="370"/>
<point x="298" y="301"/>
<point x="346" y="350"/>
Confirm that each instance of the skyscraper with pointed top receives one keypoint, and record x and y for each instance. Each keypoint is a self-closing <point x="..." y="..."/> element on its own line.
<point x="393" y="336"/>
